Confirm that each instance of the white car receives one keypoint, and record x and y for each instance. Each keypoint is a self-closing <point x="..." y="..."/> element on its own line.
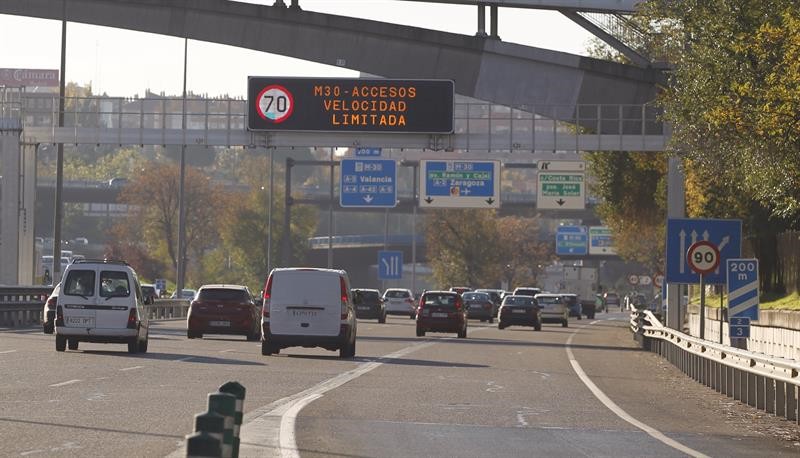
<point x="553" y="309"/>
<point x="101" y="302"/>
<point x="305" y="307"/>
<point x="400" y="301"/>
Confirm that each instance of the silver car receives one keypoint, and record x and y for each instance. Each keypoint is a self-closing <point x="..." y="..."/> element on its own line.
<point x="400" y="301"/>
<point x="554" y="309"/>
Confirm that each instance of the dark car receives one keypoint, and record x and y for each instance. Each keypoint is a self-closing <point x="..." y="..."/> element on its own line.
<point x="223" y="309"/>
<point x="519" y="311"/>
<point x="149" y="293"/>
<point x="441" y="311"/>
<point x="611" y="299"/>
<point x="480" y="306"/>
<point x="495" y="294"/>
<point x="369" y="304"/>
<point x="573" y="304"/>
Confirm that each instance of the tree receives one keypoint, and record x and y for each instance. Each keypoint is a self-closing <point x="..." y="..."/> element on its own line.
<point x="152" y="225"/>
<point x="522" y="254"/>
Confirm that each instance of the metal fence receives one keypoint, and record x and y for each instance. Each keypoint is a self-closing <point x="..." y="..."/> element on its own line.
<point x="766" y="383"/>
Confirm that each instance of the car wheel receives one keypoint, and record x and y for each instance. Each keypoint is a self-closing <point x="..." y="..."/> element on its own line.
<point x="268" y="349"/>
<point x="420" y="331"/>
<point x="143" y="346"/>
<point x="491" y="320"/>
<point x="72" y="344"/>
<point x="254" y="336"/>
<point x="48" y="328"/>
<point x="348" y="351"/>
<point x="564" y="323"/>
<point x="537" y="326"/>
<point x="382" y="319"/>
<point x="61" y="343"/>
<point x="500" y="325"/>
<point x="462" y="334"/>
<point x="412" y="316"/>
<point x="580" y="317"/>
<point x="133" y="346"/>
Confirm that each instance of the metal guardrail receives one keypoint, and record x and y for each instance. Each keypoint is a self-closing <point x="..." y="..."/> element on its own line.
<point x="22" y="306"/>
<point x="764" y="382"/>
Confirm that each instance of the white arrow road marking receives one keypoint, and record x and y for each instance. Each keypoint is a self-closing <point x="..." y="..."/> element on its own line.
<point x="612" y="406"/>
<point x="706" y="235"/>
<point x="694" y="237"/>
<point x="722" y="244"/>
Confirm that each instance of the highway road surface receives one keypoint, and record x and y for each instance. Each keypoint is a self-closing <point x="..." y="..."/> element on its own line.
<point x="585" y="390"/>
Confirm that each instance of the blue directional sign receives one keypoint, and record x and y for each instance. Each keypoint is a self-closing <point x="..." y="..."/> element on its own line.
<point x="373" y="152"/>
<point x="464" y="184"/>
<point x="390" y="265"/>
<point x="726" y="234"/>
<point x="571" y="240"/>
<point x="742" y="288"/>
<point x="739" y="327"/>
<point x="368" y="183"/>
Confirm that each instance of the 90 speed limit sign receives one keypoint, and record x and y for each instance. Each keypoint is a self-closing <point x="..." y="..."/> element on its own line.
<point x="275" y="103"/>
<point x="703" y="257"/>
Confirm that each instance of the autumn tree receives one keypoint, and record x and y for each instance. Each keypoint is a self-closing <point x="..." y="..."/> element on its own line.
<point x="152" y="224"/>
<point x="522" y="254"/>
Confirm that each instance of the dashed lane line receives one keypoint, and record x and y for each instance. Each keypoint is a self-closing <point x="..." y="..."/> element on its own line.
<point x="5" y="352"/>
<point x="68" y="382"/>
<point x="617" y="410"/>
<point x="132" y="368"/>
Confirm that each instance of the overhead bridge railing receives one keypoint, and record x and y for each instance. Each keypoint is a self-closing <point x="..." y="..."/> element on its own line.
<point x="766" y="383"/>
<point x="223" y="122"/>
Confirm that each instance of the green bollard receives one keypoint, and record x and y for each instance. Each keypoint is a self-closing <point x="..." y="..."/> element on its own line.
<point x="238" y="390"/>
<point x="211" y="423"/>
<point x="224" y="404"/>
<point x="202" y="444"/>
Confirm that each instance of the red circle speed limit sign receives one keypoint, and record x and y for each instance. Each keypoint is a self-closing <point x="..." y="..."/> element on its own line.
<point x="275" y="103"/>
<point x="703" y="257"/>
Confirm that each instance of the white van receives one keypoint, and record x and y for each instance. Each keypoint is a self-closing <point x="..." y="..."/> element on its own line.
<point x="101" y="301"/>
<point x="307" y="307"/>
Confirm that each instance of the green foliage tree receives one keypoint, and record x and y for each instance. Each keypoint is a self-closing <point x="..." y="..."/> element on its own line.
<point x="520" y="248"/>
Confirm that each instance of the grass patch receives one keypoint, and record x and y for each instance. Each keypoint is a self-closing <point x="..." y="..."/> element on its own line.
<point x="768" y="301"/>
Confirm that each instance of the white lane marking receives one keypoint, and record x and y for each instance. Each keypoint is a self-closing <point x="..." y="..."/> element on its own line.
<point x="617" y="410"/>
<point x="227" y="351"/>
<point x="68" y="382"/>
<point x="262" y="429"/>
<point x="494" y="387"/>
<point x="521" y="419"/>
<point x="7" y="352"/>
<point x="288" y="440"/>
<point x="31" y="452"/>
<point x="183" y="359"/>
<point x="133" y="368"/>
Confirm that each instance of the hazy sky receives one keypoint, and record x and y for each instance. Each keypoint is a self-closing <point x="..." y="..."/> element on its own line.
<point x="124" y="63"/>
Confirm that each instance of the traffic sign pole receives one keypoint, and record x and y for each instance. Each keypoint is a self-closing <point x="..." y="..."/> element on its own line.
<point x="702" y="306"/>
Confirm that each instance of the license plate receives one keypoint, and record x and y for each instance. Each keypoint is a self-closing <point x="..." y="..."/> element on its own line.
<point x="518" y="311"/>
<point x="363" y="308"/>
<point x="304" y="313"/>
<point x="82" y="321"/>
<point x="439" y="315"/>
<point x="219" y="323"/>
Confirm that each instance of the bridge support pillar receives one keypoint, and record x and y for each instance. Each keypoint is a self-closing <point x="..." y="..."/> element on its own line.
<point x="481" y="21"/>
<point x="16" y="208"/>
<point x="676" y="205"/>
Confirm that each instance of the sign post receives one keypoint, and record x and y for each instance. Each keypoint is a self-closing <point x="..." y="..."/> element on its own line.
<point x="703" y="258"/>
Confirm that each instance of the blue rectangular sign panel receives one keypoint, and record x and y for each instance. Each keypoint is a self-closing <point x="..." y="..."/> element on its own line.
<point x="742" y="288"/>
<point x="739" y="327"/>
<point x="571" y="240"/>
<point x="374" y="152"/>
<point x="390" y="265"/>
<point x="726" y="234"/>
<point x="368" y="183"/>
<point x="472" y="179"/>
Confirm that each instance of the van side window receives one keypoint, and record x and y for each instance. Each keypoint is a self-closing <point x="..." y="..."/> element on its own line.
<point x="79" y="283"/>
<point x="114" y="284"/>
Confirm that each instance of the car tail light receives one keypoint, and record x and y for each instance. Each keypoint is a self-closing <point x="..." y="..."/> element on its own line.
<point x="459" y="305"/>
<point x="132" y="319"/>
<point x="421" y="310"/>
<point x="52" y="302"/>
<point x="266" y="296"/>
<point x="59" y="316"/>
<point x="487" y="305"/>
<point x="343" y="291"/>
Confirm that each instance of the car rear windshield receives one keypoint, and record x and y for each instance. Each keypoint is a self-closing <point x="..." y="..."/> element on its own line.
<point x="527" y="292"/>
<point x="114" y="283"/>
<point x="79" y="283"/>
<point x="443" y="300"/>
<point x="148" y="290"/>
<point x="223" y="294"/>
<point x="548" y="300"/>
<point x="518" y="300"/>
<point x="370" y="296"/>
<point x="570" y="299"/>
<point x="476" y="297"/>
<point x="395" y="294"/>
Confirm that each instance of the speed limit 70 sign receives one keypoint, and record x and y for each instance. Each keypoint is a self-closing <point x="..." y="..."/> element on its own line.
<point x="703" y="257"/>
<point x="275" y="103"/>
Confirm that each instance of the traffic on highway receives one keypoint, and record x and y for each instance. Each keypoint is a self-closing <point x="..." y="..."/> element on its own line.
<point x="446" y="383"/>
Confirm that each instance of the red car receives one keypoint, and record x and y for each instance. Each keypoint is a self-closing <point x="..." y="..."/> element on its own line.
<point x="441" y="311"/>
<point x="223" y="309"/>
